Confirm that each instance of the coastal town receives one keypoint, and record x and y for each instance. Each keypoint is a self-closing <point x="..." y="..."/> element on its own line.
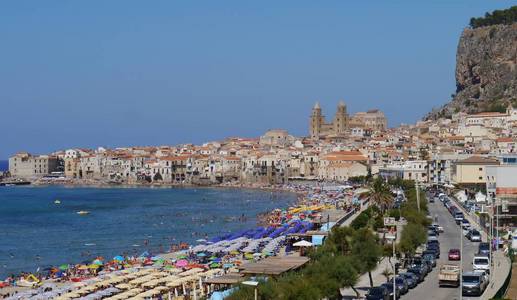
<point x="470" y="150"/>
<point x="346" y="204"/>
<point x="469" y="157"/>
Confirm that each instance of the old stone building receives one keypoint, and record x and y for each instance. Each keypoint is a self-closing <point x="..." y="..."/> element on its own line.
<point x="319" y="128"/>
<point x="373" y="119"/>
<point x="26" y="165"/>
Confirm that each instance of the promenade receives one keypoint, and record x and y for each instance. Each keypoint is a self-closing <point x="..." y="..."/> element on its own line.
<point x="428" y="289"/>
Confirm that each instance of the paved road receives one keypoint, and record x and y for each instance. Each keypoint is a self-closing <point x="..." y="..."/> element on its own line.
<point x="429" y="289"/>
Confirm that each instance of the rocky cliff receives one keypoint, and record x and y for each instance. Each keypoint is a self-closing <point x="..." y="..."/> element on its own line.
<point x="486" y="71"/>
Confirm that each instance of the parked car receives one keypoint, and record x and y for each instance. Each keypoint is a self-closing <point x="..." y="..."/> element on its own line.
<point x="418" y="272"/>
<point x="435" y="247"/>
<point x="481" y="263"/>
<point x="419" y="261"/>
<point x="484" y="249"/>
<point x="473" y="283"/>
<point x="389" y="286"/>
<point x="433" y="252"/>
<point x="378" y="293"/>
<point x="433" y="228"/>
<point x="402" y="284"/>
<point x="430" y="258"/>
<point x="458" y="217"/>
<point x="412" y="279"/>
<point x="454" y="254"/>
<point x="474" y="235"/>
<point x="431" y="235"/>
<point x="465" y="224"/>
<point x="438" y="228"/>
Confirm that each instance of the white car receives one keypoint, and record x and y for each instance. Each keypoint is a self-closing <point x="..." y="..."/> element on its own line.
<point x="481" y="263"/>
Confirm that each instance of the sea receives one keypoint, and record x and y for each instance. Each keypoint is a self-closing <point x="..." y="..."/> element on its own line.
<point x="37" y="233"/>
<point x="4" y="165"/>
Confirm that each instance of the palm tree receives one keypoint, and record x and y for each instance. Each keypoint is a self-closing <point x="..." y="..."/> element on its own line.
<point x="379" y="193"/>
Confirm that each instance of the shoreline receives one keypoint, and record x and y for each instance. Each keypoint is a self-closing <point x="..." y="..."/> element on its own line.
<point x="260" y="218"/>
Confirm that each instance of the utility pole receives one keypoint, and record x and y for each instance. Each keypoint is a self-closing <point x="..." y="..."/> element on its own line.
<point x="461" y="263"/>
<point x="394" y="271"/>
<point x="497" y="225"/>
<point x="417" y="195"/>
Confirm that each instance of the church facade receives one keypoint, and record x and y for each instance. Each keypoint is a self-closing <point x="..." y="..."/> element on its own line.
<point x="318" y="126"/>
<point x="343" y="123"/>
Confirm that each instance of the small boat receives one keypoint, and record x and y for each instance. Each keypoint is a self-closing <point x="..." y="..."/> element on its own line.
<point x="57" y="201"/>
<point x="83" y="212"/>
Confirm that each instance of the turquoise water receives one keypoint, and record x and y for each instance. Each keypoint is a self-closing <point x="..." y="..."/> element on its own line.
<point x="35" y="232"/>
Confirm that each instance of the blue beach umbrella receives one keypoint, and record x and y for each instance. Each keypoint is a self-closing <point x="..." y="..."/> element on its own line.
<point x="201" y="254"/>
<point x="118" y="258"/>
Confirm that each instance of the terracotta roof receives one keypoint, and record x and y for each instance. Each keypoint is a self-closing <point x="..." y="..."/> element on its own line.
<point x="478" y="160"/>
<point x="504" y="140"/>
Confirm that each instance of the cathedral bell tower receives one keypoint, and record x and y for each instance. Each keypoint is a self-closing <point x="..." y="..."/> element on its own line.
<point x="341" y="119"/>
<point x="316" y="121"/>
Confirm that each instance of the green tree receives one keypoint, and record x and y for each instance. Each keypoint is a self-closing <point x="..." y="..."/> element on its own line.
<point x="367" y="251"/>
<point x="413" y="235"/>
<point x="379" y="194"/>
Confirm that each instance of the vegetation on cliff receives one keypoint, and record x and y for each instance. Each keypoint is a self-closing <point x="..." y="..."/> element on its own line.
<point x="486" y="69"/>
<point x="505" y="16"/>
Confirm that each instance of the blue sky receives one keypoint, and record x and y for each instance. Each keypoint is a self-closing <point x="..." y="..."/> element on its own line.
<point x="115" y="73"/>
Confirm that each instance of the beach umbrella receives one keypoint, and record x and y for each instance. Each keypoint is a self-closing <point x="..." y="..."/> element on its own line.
<point x="182" y="263"/>
<point x="63" y="267"/>
<point x="83" y="267"/>
<point x="118" y="258"/>
<point x="227" y="266"/>
<point x="97" y="262"/>
<point x="215" y="265"/>
<point x="93" y="266"/>
<point x="302" y="243"/>
<point x="201" y="254"/>
<point x="182" y="257"/>
<point x="212" y="257"/>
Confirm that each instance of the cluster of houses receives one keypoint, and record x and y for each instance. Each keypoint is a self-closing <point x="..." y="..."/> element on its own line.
<point x="471" y="151"/>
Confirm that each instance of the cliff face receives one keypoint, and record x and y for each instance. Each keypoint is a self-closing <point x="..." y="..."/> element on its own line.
<point x="486" y="71"/>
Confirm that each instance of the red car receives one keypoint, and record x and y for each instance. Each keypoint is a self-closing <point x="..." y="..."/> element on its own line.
<point x="454" y="254"/>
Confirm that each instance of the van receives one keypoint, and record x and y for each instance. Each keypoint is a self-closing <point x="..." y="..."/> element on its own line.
<point x="458" y="216"/>
<point x="481" y="263"/>
<point x="473" y="283"/>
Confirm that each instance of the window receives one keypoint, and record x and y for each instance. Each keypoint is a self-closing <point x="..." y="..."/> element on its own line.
<point x="480" y="178"/>
<point x="480" y="169"/>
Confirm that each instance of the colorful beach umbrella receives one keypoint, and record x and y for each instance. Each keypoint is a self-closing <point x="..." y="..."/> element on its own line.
<point x="182" y="263"/>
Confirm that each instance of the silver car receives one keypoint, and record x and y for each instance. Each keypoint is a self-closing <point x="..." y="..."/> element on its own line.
<point x="474" y="283"/>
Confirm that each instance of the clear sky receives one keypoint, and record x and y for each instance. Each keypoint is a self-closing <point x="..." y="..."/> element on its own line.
<point x="115" y="73"/>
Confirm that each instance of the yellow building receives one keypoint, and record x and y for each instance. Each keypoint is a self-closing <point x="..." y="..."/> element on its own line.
<point x="473" y="170"/>
<point x="72" y="166"/>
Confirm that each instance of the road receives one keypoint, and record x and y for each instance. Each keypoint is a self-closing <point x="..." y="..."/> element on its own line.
<point x="450" y="238"/>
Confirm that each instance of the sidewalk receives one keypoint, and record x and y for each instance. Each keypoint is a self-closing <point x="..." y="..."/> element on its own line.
<point x="502" y="265"/>
<point x="501" y="262"/>
<point x="363" y="284"/>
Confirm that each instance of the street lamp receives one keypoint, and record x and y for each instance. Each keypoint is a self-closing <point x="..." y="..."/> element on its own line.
<point x="461" y="262"/>
<point x="253" y="284"/>
<point x="393" y="238"/>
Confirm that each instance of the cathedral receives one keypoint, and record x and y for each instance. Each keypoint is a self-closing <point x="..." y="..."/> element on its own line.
<point x="342" y="124"/>
<point x="318" y="126"/>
